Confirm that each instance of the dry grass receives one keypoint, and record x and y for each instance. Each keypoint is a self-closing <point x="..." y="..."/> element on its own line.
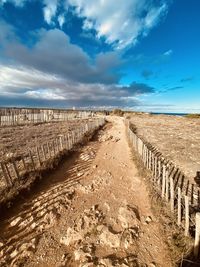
<point x="177" y="138"/>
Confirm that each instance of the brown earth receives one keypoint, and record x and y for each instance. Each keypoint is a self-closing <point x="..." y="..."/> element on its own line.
<point x="18" y="139"/>
<point x="177" y="138"/>
<point x="94" y="210"/>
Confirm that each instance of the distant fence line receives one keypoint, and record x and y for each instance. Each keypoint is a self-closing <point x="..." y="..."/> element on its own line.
<point x="18" y="167"/>
<point x="183" y="197"/>
<point x="22" y="116"/>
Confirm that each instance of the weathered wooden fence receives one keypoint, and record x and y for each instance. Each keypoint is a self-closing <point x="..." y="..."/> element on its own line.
<point x="182" y="195"/>
<point x="22" y="116"/>
<point x="17" y="167"/>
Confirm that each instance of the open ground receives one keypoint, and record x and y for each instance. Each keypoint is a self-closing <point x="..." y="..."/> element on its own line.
<point x="94" y="210"/>
<point x="177" y="138"/>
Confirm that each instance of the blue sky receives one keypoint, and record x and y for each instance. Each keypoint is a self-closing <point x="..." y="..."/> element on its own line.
<point x="136" y="54"/>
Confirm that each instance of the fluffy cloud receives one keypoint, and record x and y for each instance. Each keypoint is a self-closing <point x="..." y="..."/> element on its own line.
<point x="50" y="10"/>
<point x="119" y="22"/>
<point x="55" y="72"/>
<point x="61" y="20"/>
<point x="30" y="84"/>
<point x="54" y="53"/>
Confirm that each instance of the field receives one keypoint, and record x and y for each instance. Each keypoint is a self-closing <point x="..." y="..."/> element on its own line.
<point x="85" y="199"/>
<point x="177" y="138"/>
<point x="18" y="139"/>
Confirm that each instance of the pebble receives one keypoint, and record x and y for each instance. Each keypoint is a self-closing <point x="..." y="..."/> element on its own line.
<point x="148" y="219"/>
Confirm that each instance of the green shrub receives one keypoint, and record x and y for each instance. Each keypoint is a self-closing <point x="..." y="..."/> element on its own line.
<point x="193" y="116"/>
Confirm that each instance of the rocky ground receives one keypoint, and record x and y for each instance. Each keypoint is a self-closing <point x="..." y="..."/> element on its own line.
<point x="94" y="210"/>
<point x="176" y="137"/>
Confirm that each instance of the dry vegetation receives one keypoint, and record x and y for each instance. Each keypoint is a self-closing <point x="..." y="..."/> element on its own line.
<point x="18" y="139"/>
<point x="176" y="137"/>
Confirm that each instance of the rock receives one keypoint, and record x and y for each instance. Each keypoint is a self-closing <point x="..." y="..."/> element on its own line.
<point x="81" y="256"/>
<point x="51" y="218"/>
<point x="148" y="219"/>
<point x="105" y="262"/>
<point x="107" y="206"/>
<point x="152" y="264"/>
<point x="1" y="244"/>
<point x="100" y="228"/>
<point x="109" y="239"/>
<point x="15" y="221"/>
<point x="129" y="236"/>
<point x="64" y="241"/>
<point x="94" y="166"/>
<point x="71" y="237"/>
<point x="128" y="216"/>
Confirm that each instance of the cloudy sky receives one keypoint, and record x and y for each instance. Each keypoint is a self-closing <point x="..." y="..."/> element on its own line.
<point x="133" y="54"/>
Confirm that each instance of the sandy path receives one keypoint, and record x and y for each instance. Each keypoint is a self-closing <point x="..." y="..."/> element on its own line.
<point x="93" y="211"/>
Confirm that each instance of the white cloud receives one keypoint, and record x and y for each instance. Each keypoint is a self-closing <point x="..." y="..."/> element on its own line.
<point x="168" y="53"/>
<point x="50" y="10"/>
<point x="61" y="20"/>
<point x="44" y="94"/>
<point x="119" y="22"/>
<point x="18" y="3"/>
<point x="54" y="53"/>
<point x="26" y="84"/>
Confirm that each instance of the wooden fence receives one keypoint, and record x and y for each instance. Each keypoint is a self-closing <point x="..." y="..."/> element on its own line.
<point x="182" y="195"/>
<point x="22" y="116"/>
<point x="16" y="168"/>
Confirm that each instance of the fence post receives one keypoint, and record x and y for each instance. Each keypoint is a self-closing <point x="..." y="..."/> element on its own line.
<point x="43" y="152"/>
<point x="187" y="222"/>
<point x="172" y="194"/>
<point x="38" y="155"/>
<point x="197" y="235"/>
<point x="163" y="180"/>
<point x="155" y="168"/>
<point x="32" y="161"/>
<point x="159" y="173"/>
<point x="15" y="169"/>
<point x="5" y="174"/>
<point x="167" y="185"/>
<point x="179" y="206"/>
<point x="24" y="163"/>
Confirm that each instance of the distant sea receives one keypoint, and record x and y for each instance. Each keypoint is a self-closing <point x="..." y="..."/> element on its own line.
<point x="171" y="114"/>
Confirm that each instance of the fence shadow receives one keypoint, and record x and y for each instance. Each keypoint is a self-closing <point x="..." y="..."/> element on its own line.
<point x="35" y="211"/>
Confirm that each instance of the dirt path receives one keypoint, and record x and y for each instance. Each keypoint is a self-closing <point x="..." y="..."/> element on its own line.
<point x="93" y="211"/>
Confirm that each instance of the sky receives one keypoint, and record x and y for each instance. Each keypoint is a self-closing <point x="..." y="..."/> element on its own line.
<point x="141" y="55"/>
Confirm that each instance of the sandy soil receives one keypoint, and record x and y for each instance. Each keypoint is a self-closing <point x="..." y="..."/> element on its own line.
<point x="177" y="138"/>
<point x="94" y="210"/>
<point x="16" y="139"/>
